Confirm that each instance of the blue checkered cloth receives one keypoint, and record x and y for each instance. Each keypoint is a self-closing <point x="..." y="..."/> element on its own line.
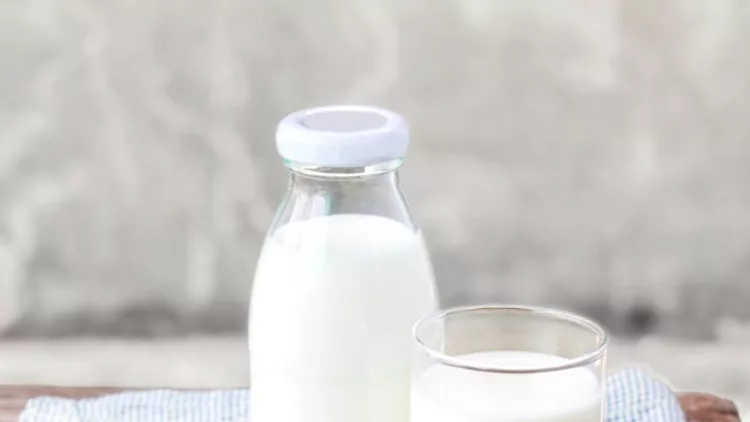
<point x="633" y="395"/>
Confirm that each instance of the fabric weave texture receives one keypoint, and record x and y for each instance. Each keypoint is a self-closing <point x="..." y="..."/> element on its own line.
<point x="633" y="395"/>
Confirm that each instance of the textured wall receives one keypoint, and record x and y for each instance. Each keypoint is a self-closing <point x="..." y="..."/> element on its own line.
<point x="591" y="154"/>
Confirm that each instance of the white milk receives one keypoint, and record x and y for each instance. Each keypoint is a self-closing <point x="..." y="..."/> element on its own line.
<point x="333" y="304"/>
<point x="448" y="394"/>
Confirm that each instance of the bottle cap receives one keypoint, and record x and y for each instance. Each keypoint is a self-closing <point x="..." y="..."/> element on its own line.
<point x="342" y="136"/>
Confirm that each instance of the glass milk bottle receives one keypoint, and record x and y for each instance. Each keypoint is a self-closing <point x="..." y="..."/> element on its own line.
<point x="343" y="275"/>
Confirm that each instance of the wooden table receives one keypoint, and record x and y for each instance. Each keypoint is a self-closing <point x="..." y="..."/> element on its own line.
<point x="698" y="407"/>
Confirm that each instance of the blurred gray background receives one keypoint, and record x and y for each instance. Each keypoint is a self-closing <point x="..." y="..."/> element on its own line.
<point x="585" y="154"/>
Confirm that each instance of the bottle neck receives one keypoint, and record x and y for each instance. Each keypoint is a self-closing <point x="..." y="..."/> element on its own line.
<point x="316" y="191"/>
<point x="386" y="170"/>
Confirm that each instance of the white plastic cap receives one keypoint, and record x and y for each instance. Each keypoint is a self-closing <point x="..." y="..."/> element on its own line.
<point x="342" y="136"/>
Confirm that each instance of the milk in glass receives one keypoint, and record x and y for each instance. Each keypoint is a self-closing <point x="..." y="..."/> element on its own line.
<point x="445" y="393"/>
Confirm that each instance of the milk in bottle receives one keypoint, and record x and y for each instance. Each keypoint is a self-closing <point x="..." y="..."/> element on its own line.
<point x="342" y="277"/>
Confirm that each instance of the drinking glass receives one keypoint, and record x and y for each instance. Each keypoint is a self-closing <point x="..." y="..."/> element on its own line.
<point x="505" y="363"/>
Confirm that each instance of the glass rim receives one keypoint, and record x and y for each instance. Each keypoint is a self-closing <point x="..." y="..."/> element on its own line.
<point x="557" y="314"/>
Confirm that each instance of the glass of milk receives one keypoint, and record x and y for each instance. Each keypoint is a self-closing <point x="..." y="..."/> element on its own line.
<point x="343" y="275"/>
<point x="508" y="364"/>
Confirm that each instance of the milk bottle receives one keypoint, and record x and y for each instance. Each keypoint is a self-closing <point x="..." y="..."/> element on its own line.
<point x="342" y="277"/>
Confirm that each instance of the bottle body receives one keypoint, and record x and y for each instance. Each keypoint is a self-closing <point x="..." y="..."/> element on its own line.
<point x="343" y="276"/>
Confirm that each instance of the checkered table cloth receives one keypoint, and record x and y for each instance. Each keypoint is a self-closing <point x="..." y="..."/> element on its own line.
<point x="633" y="395"/>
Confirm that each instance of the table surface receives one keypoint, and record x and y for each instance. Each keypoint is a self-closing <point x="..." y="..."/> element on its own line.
<point x="698" y="407"/>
